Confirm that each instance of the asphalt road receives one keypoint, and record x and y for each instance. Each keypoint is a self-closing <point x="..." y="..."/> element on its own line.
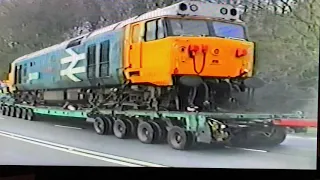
<point x="294" y="153"/>
<point x="15" y="152"/>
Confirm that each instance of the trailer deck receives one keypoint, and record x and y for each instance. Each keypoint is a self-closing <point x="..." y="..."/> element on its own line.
<point x="193" y="127"/>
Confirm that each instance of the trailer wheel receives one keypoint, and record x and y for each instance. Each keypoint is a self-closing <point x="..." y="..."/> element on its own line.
<point x="18" y="112"/>
<point x="159" y="132"/>
<point x="132" y="127"/>
<point x="109" y="124"/>
<point x="120" y="129"/>
<point x="99" y="125"/>
<point x="7" y="111"/>
<point x="30" y="115"/>
<point x="163" y="126"/>
<point x="178" y="138"/>
<point x="24" y="113"/>
<point x="12" y="111"/>
<point x="4" y="110"/>
<point x="277" y="137"/>
<point x="146" y="132"/>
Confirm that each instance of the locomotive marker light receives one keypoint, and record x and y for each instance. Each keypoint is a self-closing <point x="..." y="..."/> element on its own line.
<point x="223" y="11"/>
<point x="74" y="58"/>
<point x="194" y="7"/>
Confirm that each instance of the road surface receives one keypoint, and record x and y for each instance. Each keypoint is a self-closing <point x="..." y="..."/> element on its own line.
<point x="16" y="152"/>
<point x="294" y="153"/>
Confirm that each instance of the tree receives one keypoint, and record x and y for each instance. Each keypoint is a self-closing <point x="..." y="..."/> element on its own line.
<point x="287" y="38"/>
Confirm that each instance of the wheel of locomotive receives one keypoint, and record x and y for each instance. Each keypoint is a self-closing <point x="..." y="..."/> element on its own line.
<point x="178" y="138"/>
<point x="100" y="125"/>
<point x="23" y="113"/>
<point x="12" y="111"/>
<point x="146" y="132"/>
<point x="4" y="110"/>
<point x="7" y="112"/>
<point x="120" y="128"/>
<point x="29" y="115"/>
<point x="132" y="127"/>
<point x="18" y="112"/>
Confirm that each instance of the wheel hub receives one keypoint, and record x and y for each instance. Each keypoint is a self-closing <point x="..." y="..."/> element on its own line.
<point x="145" y="132"/>
<point x="120" y="128"/>
<point x="178" y="138"/>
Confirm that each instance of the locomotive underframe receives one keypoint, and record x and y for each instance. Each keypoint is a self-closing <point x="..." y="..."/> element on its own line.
<point x="210" y="95"/>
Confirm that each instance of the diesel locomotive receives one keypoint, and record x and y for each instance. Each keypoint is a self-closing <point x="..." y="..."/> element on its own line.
<point x="189" y="56"/>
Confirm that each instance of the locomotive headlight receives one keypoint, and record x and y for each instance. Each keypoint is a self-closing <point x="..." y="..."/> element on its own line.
<point x="183" y="7"/>
<point x="233" y="12"/>
<point x="194" y="7"/>
<point x="224" y="11"/>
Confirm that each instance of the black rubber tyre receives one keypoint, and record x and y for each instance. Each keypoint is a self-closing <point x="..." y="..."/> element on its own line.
<point x="146" y="133"/>
<point x="100" y="125"/>
<point x="7" y="112"/>
<point x="159" y="134"/>
<point x="12" y="111"/>
<point x="238" y="140"/>
<point x="120" y="129"/>
<point x="18" y="112"/>
<point x="109" y="125"/>
<point x="277" y="137"/>
<point x="24" y="113"/>
<point x="178" y="138"/>
<point x="132" y="127"/>
<point x="4" y="110"/>
<point x="30" y="115"/>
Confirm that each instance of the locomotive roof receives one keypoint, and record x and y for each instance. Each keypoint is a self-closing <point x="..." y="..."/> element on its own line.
<point x="184" y="8"/>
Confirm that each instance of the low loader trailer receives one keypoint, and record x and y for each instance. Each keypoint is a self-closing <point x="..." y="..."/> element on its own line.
<point x="181" y="130"/>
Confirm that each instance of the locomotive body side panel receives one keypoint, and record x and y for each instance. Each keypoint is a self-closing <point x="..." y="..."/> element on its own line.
<point x="59" y="69"/>
<point x="105" y="67"/>
<point x="67" y="68"/>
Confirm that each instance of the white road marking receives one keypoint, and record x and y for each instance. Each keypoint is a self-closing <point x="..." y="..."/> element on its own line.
<point x="1" y="118"/>
<point x="70" y="127"/>
<point x="247" y="149"/>
<point x="82" y="152"/>
<point x="301" y="137"/>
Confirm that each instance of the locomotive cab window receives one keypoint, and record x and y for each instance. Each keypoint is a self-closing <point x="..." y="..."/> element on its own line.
<point x="104" y="59"/>
<point x="222" y="29"/>
<point x="202" y="27"/>
<point x="154" y="30"/>
<point x="188" y="27"/>
<point x="135" y="33"/>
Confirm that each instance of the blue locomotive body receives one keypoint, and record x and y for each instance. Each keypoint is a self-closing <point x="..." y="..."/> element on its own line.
<point x="86" y="61"/>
